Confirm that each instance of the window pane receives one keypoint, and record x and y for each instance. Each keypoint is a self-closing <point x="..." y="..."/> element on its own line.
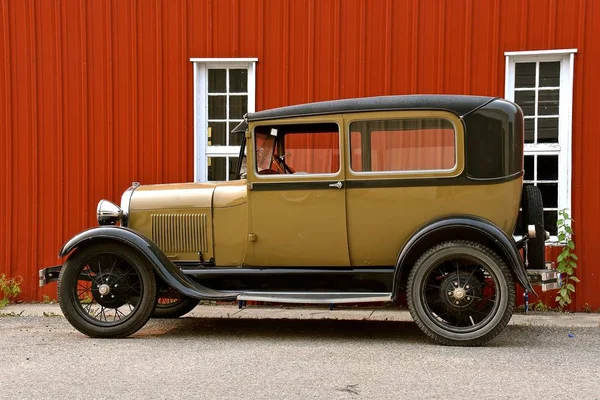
<point x="525" y="75"/>
<point x="549" y="74"/>
<point x="550" y="222"/>
<point x="235" y="139"/>
<point x="529" y="168"/>
<point x="217" y="170"/>
<point x="217" y="107"/>
<point x="216" y="81"/>
<point x="548" y="130"/>
<point x="403" y="145"/>
<point x="233" y="165"/>
<point x="216" y="136"/>
<point x="529" y="130"/>
<point x="313" y="152"/>
<point x="238" y="80"/>
<point x="549" y="194"/>
<point x="547" y="168"/>
<point x="238" y="106"/>
<point x="307" y="148"/>
<point x="548" y="102"/>
<point x="526" y="100"/>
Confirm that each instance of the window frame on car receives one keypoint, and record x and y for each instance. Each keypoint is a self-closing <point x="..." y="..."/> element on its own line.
<point x="459" y="143"/>
<point x="332" y="119"/>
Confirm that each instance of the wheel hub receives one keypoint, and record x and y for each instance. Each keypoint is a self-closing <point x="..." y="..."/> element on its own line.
<point x="109" y="289"/>
<point x="458" y="291"/>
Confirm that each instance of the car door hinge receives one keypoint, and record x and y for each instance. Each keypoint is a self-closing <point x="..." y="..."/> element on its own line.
<point x="252" y="237"/>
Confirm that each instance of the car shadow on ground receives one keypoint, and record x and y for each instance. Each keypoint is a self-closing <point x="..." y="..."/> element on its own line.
<point x="285" y="329"/>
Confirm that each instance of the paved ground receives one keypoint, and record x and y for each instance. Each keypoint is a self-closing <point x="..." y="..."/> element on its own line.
<point x="275" y="353"/>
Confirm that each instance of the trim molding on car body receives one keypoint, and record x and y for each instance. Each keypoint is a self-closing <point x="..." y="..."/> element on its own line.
<point x="461" y="180"/>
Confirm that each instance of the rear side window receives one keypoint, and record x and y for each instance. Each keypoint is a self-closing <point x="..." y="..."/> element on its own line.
<point x="402" y="145"/>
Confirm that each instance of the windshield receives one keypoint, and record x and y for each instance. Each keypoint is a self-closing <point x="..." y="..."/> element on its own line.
<point x="265" y="145"/>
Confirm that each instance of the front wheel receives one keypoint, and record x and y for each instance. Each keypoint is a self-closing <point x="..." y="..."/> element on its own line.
<point x="461" y="293"/>
<point x="107" y="290"/>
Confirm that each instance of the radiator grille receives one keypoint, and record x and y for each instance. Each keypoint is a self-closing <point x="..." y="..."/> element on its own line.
<point x="180" y="233"/>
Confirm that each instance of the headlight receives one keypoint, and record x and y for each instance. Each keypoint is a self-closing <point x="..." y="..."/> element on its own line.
<point x="108" y="213"/>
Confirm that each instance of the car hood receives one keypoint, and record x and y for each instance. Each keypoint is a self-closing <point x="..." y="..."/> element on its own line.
<point x="181" y="196"/>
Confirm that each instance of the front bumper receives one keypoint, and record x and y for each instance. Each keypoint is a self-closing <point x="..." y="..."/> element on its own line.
<point x="548" y="278"/>
<point x="49" y="274"/>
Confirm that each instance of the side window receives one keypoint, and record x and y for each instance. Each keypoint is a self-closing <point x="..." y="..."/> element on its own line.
<point x="402" y="145"/>
<point x="297" y="149"/>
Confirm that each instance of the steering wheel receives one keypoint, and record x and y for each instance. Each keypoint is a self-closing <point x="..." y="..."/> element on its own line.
<point x="268" y="171"/>
<point x="281" y="161"/>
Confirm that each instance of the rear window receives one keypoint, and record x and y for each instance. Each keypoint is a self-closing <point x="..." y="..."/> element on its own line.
<point x="402" y="145"/>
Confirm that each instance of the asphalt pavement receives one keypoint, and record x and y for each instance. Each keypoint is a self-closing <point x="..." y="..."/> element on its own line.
<point x="221" y="352"/>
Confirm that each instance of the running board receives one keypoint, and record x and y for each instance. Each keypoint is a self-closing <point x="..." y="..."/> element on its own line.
<point x="316" y="297"/>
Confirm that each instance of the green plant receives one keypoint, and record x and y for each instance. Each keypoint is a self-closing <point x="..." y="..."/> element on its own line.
<point x="10" y="288"/>
<point x="11" y="314"/>
<point x="566" y="259"/>
<point x="47" y="300"/>
<point x="50" y="314"/>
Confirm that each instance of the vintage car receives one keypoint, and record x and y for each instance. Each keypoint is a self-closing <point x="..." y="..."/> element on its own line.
<point x="409" y="199"/>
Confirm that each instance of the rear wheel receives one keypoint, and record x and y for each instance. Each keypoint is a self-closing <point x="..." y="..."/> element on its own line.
<point x="174" y="307"/>
<point x="461" y="293"/>
<point x="107" y="290"/>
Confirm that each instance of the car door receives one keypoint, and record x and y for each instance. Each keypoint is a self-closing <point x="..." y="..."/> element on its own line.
<point x="297" y="194"/>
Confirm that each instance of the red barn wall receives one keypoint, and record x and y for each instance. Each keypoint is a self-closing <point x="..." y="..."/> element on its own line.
<point x="96" y="94"/>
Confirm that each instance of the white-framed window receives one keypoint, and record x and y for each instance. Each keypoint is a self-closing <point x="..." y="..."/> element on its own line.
<point x="541" y="83"/>
<point x="224" y="90"/>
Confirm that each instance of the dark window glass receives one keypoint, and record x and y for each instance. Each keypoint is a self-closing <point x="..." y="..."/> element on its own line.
<point x="526" y="100"/>
<point x="217" y="168"/>
<point x="550" y="222"/>
<point x="233" y="164"/>
<point x="529" y="168"/>
<point x="216" y="81"/>
<point x="529" y="130"/>
<point x="403" y="145"/>
<point x="547" y="168"/>
<point x="547" y="130"/>
<point x="548" y="102"/>
<point x="549" y="194"/>
<point x="525" y="75"/>
<point x="238" y="81"/>
<point x="217" y="107"/>
<point x="549" y="74"/>
<point x="217" y="134"/>
<point x="238" y="106"/>
<point x="235" y="139"/>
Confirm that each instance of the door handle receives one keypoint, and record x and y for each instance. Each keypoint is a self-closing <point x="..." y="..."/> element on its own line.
<point x="336" y="185"/>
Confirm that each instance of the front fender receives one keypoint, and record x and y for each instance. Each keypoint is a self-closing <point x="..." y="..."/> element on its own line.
<point x="467" y="227"/>
<point x="161" y="264"/>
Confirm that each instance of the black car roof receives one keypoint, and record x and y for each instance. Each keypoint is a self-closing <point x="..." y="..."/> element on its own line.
<point x="458" y="104"/>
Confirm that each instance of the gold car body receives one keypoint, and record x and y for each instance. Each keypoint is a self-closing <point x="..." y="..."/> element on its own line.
<point x="258" y="221"/>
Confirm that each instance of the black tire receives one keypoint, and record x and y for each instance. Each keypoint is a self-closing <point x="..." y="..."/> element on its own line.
<point x="131" y="295"/>
<point x="174" y="309"/>
<point x="533" y="214"/>
<point x="433" y="288"/>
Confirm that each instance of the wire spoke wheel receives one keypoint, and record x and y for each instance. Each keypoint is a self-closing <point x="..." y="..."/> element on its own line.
<point x="107" y="290"/>
<point x="173" y="305"/>
<point x="461" y="293"/>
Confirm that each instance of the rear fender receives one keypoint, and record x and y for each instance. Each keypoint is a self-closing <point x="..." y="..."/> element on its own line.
<point x="460" y="228"/>
<point x="163" y="267"/>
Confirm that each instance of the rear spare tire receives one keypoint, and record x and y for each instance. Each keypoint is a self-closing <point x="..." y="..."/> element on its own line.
<point x="533" y="214"/>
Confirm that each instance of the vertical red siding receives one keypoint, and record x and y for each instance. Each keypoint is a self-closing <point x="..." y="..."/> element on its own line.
<point x="96" y="94"/>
